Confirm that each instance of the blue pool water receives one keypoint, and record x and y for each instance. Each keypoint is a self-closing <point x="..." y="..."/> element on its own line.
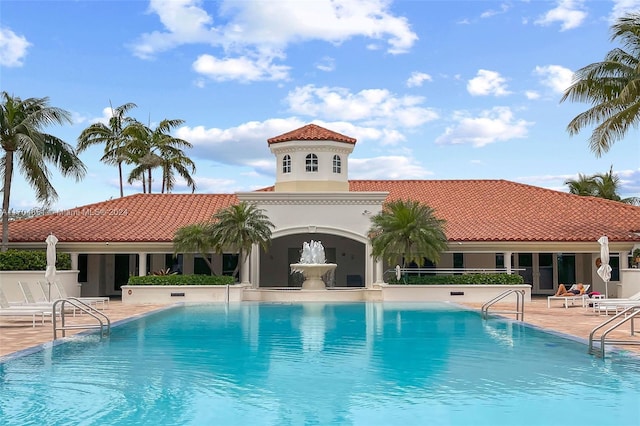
<point x="320" y="364"/>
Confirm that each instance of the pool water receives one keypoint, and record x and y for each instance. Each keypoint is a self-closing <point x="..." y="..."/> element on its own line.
<point x="320" y="364"/>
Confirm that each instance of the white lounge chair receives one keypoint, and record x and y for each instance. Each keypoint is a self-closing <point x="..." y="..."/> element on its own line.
<point x="30" y="299"/>
<point x="96" y="301"/>
<point x="578" y="297"/>
<point x="7" y="310"/>
<point x="615" y="304"/>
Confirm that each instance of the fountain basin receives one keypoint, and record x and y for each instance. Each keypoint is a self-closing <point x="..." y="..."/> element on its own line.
<point x="313" y="273"/>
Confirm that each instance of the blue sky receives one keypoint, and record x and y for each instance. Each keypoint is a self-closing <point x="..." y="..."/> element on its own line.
<point x="430" y="89"/>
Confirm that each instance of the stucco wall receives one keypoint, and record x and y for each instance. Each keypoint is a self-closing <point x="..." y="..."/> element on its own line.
<point x="9" y="283"/>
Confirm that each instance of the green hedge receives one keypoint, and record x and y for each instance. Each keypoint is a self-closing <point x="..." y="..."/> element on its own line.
<point x="182" y="280"/>
<point x="489" y="279"/>
<point x="31" y="260"/>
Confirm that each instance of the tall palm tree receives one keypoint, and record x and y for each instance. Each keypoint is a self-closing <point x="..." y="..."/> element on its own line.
<point x="115" y="137"/>
<point x="195" y="238"/>
<point x="239" y="227"/>
<point x="24" y="143"/>
<point x="612" y="87"/>
<point x="175" y="161"/>
<point x="407" y="231"/>
<point x="150" y="148"/>
<point x="584" y="185"/>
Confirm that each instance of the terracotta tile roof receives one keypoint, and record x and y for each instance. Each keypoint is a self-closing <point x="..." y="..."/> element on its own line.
<point x="500" y="210"/>
<point x="311" y="132"/>
<point x="475" y="210"/>
<point x="135" y="218"/>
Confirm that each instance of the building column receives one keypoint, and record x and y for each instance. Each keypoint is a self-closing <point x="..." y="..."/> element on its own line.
<point x="379" y="264"/>
<point x="244" y="269"/>
<point x="624" y="259"/>
<point x="507" y="261"/>
<point x="142" y="264"/>
<point x="255" y="266"/>
<point x="369" y="266"/>
<point x="74" y="260"/>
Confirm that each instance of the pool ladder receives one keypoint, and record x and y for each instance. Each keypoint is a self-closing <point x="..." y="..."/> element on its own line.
<point x="103" y="322"/>
<point x="627" y="315"/>
<point x="519" y="311"/>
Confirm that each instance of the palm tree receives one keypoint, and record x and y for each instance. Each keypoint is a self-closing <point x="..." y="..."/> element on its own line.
<point x="606" y="185"/>
<point x="407" y="230"/>
<point x="612" y="87"/>
<point x="115" y="136"/>
<point x="239" y="227"/>
<point x="24" y="142"/>
<point x="152" y="146"/>
<point x="196" y="238"/>
<point x="601" y="185"/>
<point x="584" y="185"/>
<point x="176" y="161"/>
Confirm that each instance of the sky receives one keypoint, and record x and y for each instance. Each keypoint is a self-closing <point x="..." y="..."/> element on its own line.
<point x="430" y="89"/>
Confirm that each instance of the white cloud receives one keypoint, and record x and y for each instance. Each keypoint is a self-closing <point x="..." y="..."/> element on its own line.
<point x="532" y="94"/>
<point x="246" y="145"/>
<point x="556" y="77"/>
<point x="386" y="167"/>
<point x="240" y="145"/>
<point x="262" y="30"/>
<point x="327" y="64"/>
<point x="417" y="78"/>
<point x="13" y="48"/>
<point x="622" y="7"/>
<point x="377" y="107"/>
<point x="240" y="68"/>
<point x="504" y="8"/>
<point x="497" y="124"/>
<point x="488" y="83"/>
<point x="569" y="13"/>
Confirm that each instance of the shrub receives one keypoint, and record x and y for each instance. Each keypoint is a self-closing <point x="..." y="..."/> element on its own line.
<point x="478" y="279"/>
<point x="182" y="280"/>
<point x="31" y="260"/>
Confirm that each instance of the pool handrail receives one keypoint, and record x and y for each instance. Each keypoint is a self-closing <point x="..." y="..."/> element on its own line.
<point x="519" y="312"/>
<point x="628" y="314"/>
<point x="105" y="329"/>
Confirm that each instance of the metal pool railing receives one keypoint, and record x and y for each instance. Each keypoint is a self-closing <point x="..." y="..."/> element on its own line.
<point x="103" y="322"/>
<point x="519" y="311"/>
<point x="627" y="315"/>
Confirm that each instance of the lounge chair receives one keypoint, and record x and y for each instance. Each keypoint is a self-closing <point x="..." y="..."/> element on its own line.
<point x="7" y="310"/>
<point x="615" y="304"/>
<point x="95" y="301"/>
<point x="578" y="297"/>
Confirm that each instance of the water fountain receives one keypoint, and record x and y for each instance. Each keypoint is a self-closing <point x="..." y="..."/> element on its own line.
<point x="313" y="266"/>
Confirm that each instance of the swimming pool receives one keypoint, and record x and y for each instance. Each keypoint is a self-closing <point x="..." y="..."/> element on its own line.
<point x="320" y="364"/>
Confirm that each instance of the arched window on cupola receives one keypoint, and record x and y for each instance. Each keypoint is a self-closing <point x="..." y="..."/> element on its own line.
<point x="286" y="164"/>
<point x="312" y="163"/>
<point x="337" y="164"/>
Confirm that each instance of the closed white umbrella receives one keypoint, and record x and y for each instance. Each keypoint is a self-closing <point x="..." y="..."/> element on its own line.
<point x="604" y="270"/>
<point x="50" y="272"/>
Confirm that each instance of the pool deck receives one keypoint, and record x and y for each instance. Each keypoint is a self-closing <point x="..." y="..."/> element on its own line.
<point x="17" y="334"/>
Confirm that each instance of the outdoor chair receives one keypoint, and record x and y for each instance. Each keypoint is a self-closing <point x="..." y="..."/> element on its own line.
<point x="615" y="305"/>
<point x="95" y="301"/>
<point x="7" y="310"/>
<point x="582" y="298"/>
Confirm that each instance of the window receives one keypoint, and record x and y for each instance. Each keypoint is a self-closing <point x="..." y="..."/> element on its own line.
<point x="312" y="163"/>
<point x="337" y="164"/>
<point x="458" y="262"/>
<point x="286" y="164"/>
<point x="614" y="262"/>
